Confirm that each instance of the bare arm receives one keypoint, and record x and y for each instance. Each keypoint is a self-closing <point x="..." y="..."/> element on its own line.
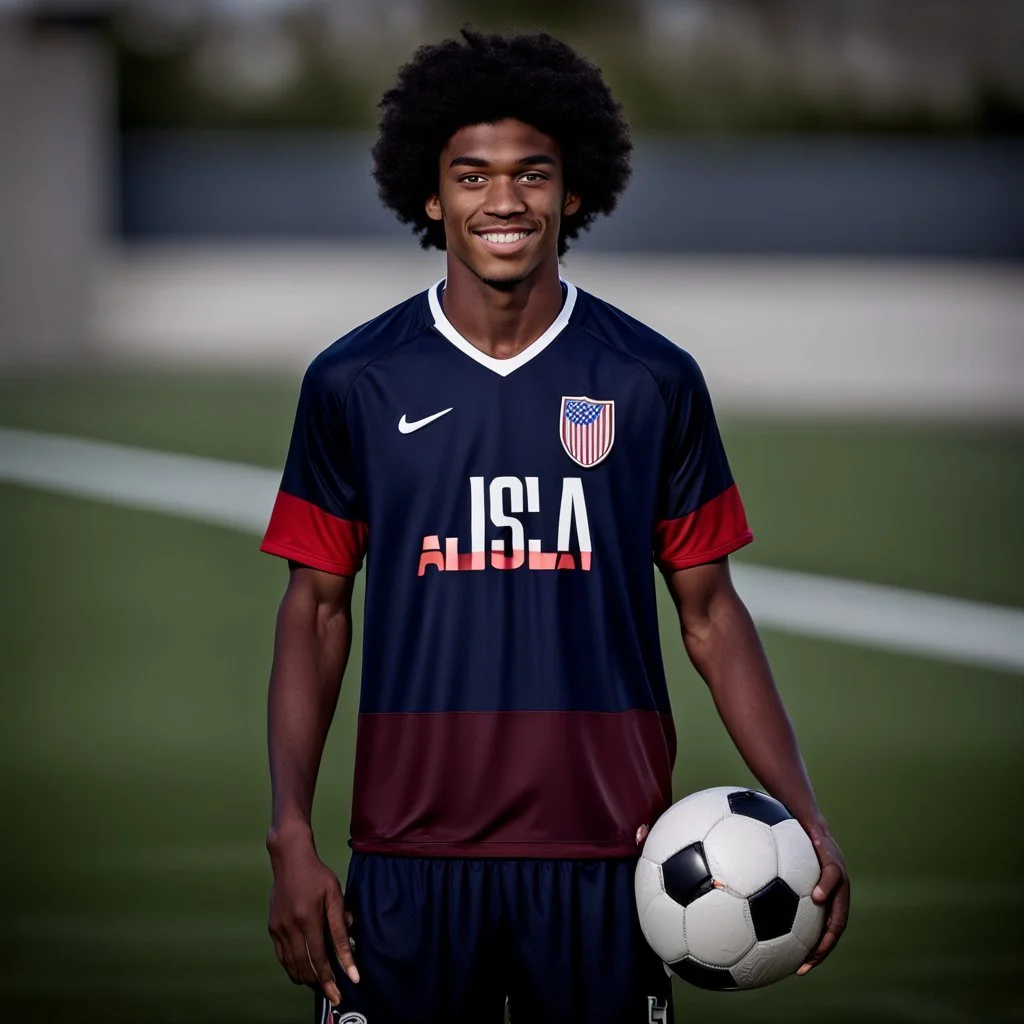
<point x="722" y="642"/>
<point x="311" y="648"/>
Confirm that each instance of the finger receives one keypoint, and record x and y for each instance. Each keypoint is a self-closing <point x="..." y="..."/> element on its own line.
<point x="822" y="950"/>
<point x="287" y="958"/>
<point x="337" y="920"/>
<point x="834" y="928"/>
<point x="316" y="953"/>
<point x="279" y="951"/>
<point x="831" y="876"/>
<point x="296" y="944"/>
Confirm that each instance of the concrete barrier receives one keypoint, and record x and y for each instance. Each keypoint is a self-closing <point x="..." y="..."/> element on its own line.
<point x="822" y="337"/>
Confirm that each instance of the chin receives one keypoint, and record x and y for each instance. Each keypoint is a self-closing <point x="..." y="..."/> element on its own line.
<point x="504" y="278"/>
<point x="503" y="284"/>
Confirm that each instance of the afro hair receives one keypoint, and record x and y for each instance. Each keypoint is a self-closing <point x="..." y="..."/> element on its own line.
<point x="483" y="79"/>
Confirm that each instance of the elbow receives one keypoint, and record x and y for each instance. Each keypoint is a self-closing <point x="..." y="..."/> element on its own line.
<point x="699" y="636"/>
<point x="712" y="632"/>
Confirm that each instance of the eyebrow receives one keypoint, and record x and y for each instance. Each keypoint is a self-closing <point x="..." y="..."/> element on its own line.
<point x="533" y="160"/>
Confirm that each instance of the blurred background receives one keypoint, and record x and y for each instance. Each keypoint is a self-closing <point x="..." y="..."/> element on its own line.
<point x="826" y="210"/>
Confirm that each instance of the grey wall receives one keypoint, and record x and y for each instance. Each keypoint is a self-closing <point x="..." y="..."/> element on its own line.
<point x="888" y="197"/>
<point x="56" y="99"/>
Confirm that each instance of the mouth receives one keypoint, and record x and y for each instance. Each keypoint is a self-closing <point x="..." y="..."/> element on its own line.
<point x="504" y="240"/>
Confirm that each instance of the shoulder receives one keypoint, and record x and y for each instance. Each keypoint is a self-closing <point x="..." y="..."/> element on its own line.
<point x="335" y="369"/>
<point x="670" y="365"/>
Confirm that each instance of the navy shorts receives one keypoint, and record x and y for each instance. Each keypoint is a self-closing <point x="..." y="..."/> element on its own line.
<point x="455" y="941"/>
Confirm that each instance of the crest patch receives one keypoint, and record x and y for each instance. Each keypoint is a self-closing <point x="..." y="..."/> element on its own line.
<point x="587" y="429"/>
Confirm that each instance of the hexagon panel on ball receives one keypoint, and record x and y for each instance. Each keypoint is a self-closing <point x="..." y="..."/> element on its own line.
<point x="647" y="883"/>
<point x="687" y="821"/>
<point x="718" y="929"/>
<point x="664" y="929"/>
<point x="741" y="854"/>
<point x="809" y="922"/>
<point x="770" y="961"/>
<point x="798" y="863"/>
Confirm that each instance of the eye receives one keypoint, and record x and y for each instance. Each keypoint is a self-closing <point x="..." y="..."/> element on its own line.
<point x="532" y="177"/>
<point x="471" y="179"/>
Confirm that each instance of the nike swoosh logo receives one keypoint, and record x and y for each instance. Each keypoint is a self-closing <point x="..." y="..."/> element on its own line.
<point x="405" y="427"/>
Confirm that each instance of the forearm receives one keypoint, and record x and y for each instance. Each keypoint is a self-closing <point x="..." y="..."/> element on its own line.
<point x="725" y="648"/>
<point x="311" y="648"/>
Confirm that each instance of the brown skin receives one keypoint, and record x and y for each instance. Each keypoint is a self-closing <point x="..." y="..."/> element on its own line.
<point x="499" y="177"/>
<point x="311" y="647"/>
<point x="723" y="645"/>
<point x="501" y="298"/>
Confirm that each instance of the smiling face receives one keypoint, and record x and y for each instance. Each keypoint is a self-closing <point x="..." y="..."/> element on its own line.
<point x="502" y="198"/>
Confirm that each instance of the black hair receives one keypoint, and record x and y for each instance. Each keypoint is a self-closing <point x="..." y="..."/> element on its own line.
<point x="482" y="79"/>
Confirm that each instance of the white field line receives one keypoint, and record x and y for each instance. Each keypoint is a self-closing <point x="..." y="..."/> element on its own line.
<point x="885" y="617"/>
<point x="223" y="493"/>
<point x="239" y="496"/>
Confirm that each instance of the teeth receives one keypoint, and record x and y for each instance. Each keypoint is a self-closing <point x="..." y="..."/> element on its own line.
<point x="504" y="237"/>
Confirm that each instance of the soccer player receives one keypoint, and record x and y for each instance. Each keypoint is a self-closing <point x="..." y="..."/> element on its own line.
<point x="510" y="456"/>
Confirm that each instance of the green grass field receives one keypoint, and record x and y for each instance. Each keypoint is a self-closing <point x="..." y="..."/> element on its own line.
<point x="136" y="649"/>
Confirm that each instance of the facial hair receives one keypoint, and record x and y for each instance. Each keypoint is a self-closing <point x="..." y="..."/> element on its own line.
<point x="505" y="284"/>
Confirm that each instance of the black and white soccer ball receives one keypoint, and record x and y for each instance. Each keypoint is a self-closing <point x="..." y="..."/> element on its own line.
<point x="723" y="889"/>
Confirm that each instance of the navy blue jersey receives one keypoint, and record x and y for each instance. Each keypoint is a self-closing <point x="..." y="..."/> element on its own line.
<point x="513" y="699"/>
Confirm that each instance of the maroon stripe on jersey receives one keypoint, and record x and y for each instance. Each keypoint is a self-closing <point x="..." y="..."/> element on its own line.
<point x="510" y="783"/>
<point x="712" y="531"/>
<point x="305" y="533"/>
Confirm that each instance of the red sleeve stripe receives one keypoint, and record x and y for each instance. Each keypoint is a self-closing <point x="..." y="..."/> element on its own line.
<point x="712" y="531"/>
<point x="304" y="533"/>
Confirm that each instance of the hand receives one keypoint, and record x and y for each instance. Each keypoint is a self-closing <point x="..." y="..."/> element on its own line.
<point x="305" y="894"/>
<point x="834" y="888"/>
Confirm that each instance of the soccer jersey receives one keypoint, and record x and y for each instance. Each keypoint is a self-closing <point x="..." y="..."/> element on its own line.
<point x="513" y="699"/>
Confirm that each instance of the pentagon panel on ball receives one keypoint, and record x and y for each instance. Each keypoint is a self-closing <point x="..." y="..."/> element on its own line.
<point x="705" y="976"/>
<point x="686" y="874"/>
<point x="723" y="889"/>
<point x="751" y="804"/>
<point x="773" y="910"/>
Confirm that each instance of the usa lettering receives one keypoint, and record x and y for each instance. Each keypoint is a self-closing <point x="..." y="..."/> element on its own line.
<point x="503" y="503"/>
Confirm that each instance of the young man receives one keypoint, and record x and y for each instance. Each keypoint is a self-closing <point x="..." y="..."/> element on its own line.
<point x="510" y="455"/>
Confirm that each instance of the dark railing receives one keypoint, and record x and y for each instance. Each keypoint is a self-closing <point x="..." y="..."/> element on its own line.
<point x="795" y="196"/>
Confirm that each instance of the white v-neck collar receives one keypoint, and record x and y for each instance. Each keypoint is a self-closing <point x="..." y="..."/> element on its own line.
<point x="502" y="367"/>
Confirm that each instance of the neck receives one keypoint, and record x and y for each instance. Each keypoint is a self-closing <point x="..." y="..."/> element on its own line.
<point x="498" y="322"/>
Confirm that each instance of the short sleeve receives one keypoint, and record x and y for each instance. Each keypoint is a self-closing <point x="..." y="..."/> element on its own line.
<point x="700" y="515"/>
<point x="318" y="516"/>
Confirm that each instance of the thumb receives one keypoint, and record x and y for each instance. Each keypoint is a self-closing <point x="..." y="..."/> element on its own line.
<point x="339" y="933"/>
<point x="831" y="876"/>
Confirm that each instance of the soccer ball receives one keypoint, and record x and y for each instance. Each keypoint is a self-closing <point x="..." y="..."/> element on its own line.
<point x="723" y="889"/>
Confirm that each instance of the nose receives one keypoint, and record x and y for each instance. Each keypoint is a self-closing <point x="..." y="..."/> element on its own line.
<point x="504" y="198"/>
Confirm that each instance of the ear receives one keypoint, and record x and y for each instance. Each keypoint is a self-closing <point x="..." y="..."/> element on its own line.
<point x="571" y="204"/>
<point x="433" y="208"/>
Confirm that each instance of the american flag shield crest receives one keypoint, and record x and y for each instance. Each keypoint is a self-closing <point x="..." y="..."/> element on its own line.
<point x="587" y="429"/>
